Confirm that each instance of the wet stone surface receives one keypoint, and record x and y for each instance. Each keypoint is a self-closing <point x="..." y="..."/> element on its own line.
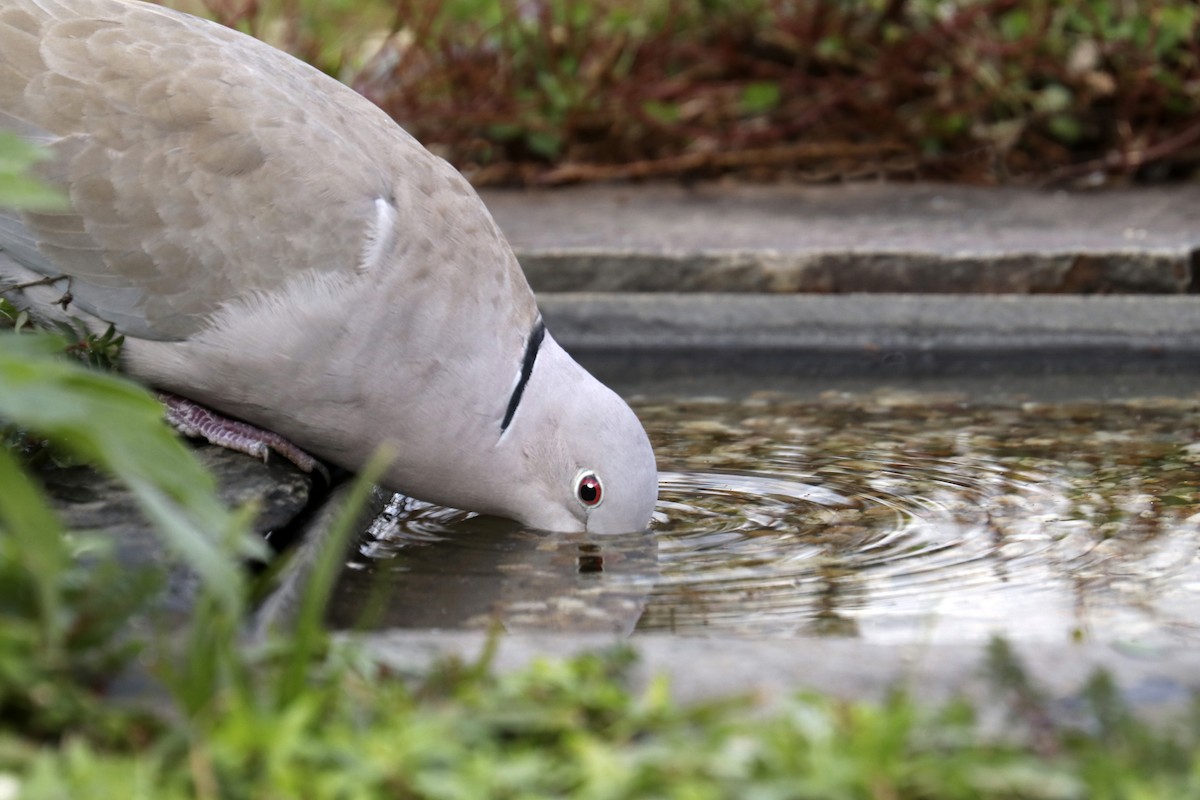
<point x="889" y="516"/>
<point x="90" y="502"/>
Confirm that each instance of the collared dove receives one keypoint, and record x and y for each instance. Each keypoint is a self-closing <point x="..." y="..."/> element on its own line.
<point x="275" y="247"/>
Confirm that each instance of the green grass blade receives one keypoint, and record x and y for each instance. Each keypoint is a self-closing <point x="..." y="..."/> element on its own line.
<point x="117" y="425"/>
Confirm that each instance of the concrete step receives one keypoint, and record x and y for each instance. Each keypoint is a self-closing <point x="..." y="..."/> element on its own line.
<point x="895" y="238"/>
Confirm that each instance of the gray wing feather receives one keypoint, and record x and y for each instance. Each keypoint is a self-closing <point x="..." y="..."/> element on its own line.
<point x="201" y="165"/>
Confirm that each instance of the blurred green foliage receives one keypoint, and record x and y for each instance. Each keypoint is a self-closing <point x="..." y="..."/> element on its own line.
<point x="554" y="91"/>
<point x="17" y="187"/>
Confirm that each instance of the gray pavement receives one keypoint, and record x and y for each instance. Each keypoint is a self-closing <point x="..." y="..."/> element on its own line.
<point x="1157" y="685"/>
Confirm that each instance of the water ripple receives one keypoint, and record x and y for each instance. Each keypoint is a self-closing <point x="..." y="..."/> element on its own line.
<point x="891" y="517"/>
<point x="928" y="525"/>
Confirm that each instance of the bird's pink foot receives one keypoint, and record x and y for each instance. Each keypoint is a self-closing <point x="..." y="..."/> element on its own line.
<point x="196" y="421"/>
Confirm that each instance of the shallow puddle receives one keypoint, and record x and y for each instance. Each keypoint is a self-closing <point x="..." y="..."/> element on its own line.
<point x="892" y="515"/>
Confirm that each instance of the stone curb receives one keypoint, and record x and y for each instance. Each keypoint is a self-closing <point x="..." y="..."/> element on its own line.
<point x="765" y="322"/>
<point x="596" y="270"/>
<point x="629" y="340"/>
<point x="909" y="238"/>
<point x="1157" y="685"/>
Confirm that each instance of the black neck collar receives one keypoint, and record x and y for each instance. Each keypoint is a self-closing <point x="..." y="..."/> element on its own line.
<point x="531" y="350"/>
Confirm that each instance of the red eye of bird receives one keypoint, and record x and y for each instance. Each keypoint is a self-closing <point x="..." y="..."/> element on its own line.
<point x="588" y="489"/>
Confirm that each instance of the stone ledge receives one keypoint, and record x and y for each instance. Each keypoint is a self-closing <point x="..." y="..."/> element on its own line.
<point x="709" y="321"/>
<point x="1107" y="272"/>
<point x="852" y="238"/>
<point x="1156" y="684"/>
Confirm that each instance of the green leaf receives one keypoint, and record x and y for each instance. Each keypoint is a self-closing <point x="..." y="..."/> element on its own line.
<point x="1176" y="26"/>
<point x="17" y="188"/>
<point x="115" y="424"/>
<point x="666" y="113"/>
<point x="309" y="628"/>
<point x="544" y="143"/>
<point x="1053" y="98"/>
<point x="505" y="131"/>
<point x="37" y="536"/>
<point x="1015" y="24"/>
<point x="1065" y="128"/>
<point x="759" y="98"/>
<point x="19" y="191"/>
<point x="830" y="47"/>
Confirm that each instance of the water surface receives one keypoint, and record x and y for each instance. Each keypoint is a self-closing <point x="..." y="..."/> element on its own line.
<point x="888" y="514"/>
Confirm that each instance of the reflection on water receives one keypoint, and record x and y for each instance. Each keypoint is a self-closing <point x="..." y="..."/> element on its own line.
<point x="891" y="516"/>
<point x="423" y="566"/>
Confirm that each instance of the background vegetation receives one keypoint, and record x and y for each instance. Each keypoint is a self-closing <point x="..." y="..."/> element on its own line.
<point x="557" y="91"/>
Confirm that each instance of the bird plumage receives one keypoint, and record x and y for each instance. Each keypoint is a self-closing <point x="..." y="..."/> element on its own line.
<point x="276" y="247"/>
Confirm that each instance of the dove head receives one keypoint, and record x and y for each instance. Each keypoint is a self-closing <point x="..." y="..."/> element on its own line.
<point x="580" y="457"/>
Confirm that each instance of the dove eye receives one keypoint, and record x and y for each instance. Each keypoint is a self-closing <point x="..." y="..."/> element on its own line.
<point x="588" y="490"/>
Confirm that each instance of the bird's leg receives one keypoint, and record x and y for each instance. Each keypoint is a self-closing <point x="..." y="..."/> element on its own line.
<point x="196" y="421"/>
